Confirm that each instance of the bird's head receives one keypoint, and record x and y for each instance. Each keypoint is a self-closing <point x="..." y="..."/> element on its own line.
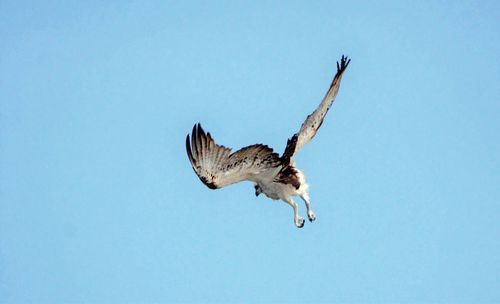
<point x="258" y="190"/>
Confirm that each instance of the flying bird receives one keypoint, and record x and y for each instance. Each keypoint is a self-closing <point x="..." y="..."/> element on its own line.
<point x="275" y="176"/>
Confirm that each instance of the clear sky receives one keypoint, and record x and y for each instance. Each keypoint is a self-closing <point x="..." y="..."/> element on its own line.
<point x="99" y="202"/>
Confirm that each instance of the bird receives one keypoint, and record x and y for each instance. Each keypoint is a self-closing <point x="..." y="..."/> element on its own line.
<point x="276" y="176"/>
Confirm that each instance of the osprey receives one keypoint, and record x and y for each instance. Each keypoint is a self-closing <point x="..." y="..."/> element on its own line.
<point x="275" y="176"/>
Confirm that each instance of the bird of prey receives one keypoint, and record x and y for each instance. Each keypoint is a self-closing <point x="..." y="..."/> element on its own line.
<point x="275" y="176"/>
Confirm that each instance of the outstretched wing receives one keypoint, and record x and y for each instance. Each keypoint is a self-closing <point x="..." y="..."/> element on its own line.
<point x="217" y="167"/>
<point x="314" y="121"/>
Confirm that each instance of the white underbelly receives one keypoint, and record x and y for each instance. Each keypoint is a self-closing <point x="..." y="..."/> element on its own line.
<point x="277" y="191"/>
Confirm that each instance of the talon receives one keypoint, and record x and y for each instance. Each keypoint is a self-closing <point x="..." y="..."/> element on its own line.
<point x="300" y="223"/>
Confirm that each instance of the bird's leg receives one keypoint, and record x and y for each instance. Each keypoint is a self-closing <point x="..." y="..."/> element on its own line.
<point x="299" y="221"/>
<point x="310" y="213"/>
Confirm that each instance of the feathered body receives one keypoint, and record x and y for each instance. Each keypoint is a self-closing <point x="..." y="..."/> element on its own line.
<point x="275" y="176"/>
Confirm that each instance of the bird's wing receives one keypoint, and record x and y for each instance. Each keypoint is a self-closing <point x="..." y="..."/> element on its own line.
<point x="314" y="121"/>
<point x="217" y="167"/>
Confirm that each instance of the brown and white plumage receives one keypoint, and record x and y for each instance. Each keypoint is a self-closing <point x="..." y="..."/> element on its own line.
<point x="275" y="176"/>
<point x="217" y="167"/>
<point x="315" y="119"/>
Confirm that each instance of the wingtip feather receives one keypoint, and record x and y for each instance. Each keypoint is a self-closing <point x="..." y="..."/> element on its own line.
<point x="193" y="142"/>
<point x="188" y="150"/>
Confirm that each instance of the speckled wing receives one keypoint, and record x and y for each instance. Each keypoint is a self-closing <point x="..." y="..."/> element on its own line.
<point x="314" y="121"/>
<point x="217" y="167"/>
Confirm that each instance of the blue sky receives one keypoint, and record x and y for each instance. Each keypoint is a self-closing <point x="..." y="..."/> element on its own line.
<point x="98" y="202"/>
